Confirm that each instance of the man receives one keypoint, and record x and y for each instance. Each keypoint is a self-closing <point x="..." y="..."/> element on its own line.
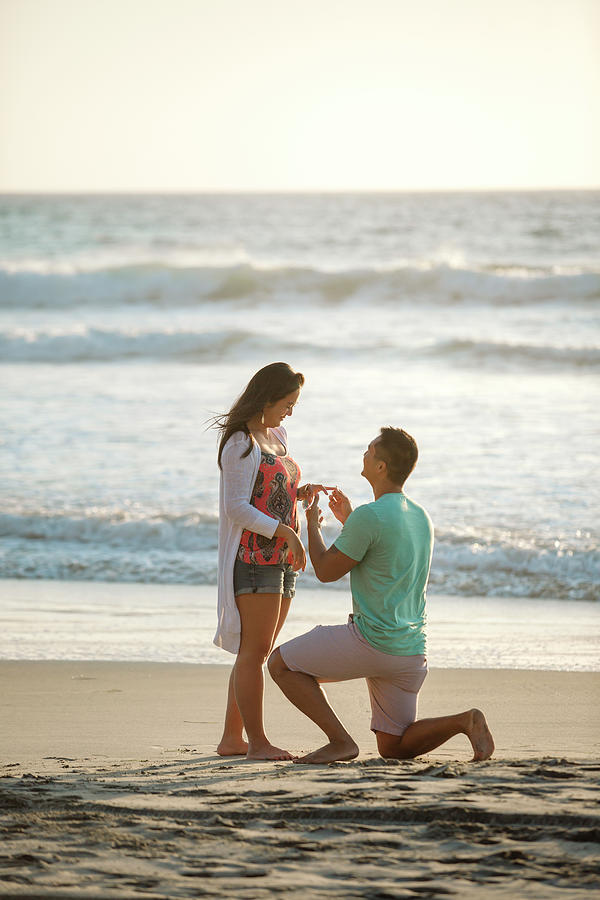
<point x="387" y="547"/>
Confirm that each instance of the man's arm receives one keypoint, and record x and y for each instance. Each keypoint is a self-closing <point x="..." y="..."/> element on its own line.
<point x="329" y="565"/>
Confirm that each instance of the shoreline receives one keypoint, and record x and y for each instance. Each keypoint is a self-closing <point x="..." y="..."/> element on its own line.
<point x="90" y="620"/>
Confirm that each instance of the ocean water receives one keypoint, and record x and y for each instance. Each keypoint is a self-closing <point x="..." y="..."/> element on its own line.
<point x="471" y="320"/>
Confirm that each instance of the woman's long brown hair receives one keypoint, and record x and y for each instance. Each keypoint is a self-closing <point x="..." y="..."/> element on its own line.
<point x="270" y="384"/>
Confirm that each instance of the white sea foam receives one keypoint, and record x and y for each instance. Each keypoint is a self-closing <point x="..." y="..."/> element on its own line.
<point x="82" y="344"/>
<point x="168" y="286"/>
<point x="190" y="533"/>
<point x="182" y="549"/>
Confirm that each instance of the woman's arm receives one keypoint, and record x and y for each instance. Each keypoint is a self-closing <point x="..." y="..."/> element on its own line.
<point x="237" y="475"/>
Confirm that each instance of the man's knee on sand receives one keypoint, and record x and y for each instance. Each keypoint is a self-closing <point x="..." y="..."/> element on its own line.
<point x="390" y="746"/>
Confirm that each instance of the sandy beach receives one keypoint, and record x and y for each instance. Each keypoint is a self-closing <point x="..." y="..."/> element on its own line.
<point x="111" y="787"/>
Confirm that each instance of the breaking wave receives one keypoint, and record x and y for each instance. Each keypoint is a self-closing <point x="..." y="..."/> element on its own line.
<point x="105" y="345"/>
<point x="169" y="549"/>
<point x="170" y="286"/>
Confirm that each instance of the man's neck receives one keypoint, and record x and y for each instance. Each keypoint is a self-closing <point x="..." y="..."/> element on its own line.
<point x="386" y="487"/>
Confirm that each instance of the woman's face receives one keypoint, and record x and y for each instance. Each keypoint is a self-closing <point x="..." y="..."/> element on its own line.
<point x="275" y="413"/>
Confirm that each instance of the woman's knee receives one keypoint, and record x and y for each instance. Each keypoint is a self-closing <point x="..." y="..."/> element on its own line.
<point x="253" y="653"/>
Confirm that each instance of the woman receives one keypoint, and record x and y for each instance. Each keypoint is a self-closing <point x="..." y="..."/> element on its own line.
<point x="260" y="552"/>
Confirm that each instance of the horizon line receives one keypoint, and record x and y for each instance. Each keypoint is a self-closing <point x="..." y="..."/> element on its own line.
<point x="286" y="191"/>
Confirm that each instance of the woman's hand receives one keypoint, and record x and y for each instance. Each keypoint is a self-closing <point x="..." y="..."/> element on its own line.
<point x="295" y="547"/>
<point x="298" y="553"/>
<point x="308" y="492"/>
<point x="339" y="505"/>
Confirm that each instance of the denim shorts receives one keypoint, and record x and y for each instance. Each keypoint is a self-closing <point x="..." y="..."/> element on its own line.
<point x="249" y="578"/>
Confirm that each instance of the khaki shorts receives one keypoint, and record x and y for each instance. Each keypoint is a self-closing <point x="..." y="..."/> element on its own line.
<point x="341" y="653"/>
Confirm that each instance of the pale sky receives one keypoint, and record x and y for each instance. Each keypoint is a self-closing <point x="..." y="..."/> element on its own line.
<point x="177" y="95"/>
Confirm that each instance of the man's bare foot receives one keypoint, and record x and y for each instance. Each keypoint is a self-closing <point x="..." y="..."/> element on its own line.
<point x="332" y="752"/>
<point x="480" y="735"/>
<point x="267" y="751"/>
<point x="232" y="747"/>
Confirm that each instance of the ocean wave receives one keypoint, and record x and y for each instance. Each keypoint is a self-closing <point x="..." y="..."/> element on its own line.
<point x="105" y="345"/>
<point x="183" y="549"/>
<point x="171" y="287"/>
<point x="189" y="533"/>
<point x="487" y="352"/>
<point x="468" y="565"/>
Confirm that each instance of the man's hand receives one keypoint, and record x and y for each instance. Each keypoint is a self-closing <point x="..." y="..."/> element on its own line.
<point x="329" y="565"/>
<point x="314" y="516"/>
<point x="339" y="505"/>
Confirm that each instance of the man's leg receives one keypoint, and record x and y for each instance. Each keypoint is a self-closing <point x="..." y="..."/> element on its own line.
<point x="426" y="735"/>
<point x="305" y="692"/>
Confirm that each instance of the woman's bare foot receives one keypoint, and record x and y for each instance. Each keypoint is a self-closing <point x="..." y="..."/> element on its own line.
<point x="332" y="752"/>
<point x="231" y="747"/>
<point x="267" y="751"/>
<point x="480" y="735"/>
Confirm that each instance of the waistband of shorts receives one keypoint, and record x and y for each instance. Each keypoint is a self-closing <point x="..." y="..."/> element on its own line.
<point x="285" y="567"/>
<point x="360" y="637"/>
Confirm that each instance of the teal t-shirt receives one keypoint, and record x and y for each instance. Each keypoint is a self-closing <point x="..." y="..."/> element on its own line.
<point x="392" y="540"/>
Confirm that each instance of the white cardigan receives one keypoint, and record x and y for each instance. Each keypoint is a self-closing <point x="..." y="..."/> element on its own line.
<point x="236" y="513"/>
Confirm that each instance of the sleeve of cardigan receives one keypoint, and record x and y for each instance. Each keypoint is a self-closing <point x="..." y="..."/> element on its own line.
<point x="237" y="487"/>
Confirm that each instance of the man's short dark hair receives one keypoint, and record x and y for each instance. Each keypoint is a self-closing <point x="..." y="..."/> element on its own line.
<point x="399" y="452"/>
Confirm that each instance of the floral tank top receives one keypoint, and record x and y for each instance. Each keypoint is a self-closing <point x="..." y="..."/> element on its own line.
<point x="274" y="493"/>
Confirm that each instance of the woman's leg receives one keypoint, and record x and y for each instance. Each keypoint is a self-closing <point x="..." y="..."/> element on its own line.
<point x="261" y="616"/>
<point x="232" y="742"/>
<point x="284" y="609"/>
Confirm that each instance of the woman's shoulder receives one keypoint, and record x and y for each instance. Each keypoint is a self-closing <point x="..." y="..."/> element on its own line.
<point x="238" y="440"/>
<point x="281" y="435"/>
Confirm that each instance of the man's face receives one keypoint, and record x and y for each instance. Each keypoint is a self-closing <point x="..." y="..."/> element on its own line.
<point x="370" y="461"/>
